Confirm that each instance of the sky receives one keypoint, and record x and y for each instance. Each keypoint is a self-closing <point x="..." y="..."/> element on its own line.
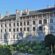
<point x="12" y="5"/>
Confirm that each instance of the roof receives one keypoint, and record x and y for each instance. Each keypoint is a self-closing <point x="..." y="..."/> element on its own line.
<point x="13" y="16"/>
<point x="52" y="9"/>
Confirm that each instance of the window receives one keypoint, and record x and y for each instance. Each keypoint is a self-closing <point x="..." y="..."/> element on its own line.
<point x="21" y="18"/>
<point x="14" y="36"/>
<point x="17" y="29"/>
<point x="51" y="20"/>
<point x="9" y="30"/>
<point x="33" y="16"/>
<point x="5" y="25"/>
<point x="20" y="29"/>
<point x="24" y="23"/>
<point x="14" y="24"/>
<point x="27" y="22"/>
<point x="10" y="25"/>
<point x="33" y="28"/>
<point x="44" y="15"/>
<point x="5" y="30"/>
<point x="51" y="27"/>
<point x="27" y="17"/>
<point x="9" y="19"/>
<point x="20" y="23"/>
<point x="40" y="21"/>
<point x="24" y="29"/>
<point x="39" y="15"/>
<point x="1" y="25"/>
<point x="14" y="30"/>
<point x="40" y="28"/>
<point x="17" y="24"/>
<point x="27" y="28"/>
<point x="45" y="21"/>
<point x="34" y="22"/>
<point x="1" y="30"/>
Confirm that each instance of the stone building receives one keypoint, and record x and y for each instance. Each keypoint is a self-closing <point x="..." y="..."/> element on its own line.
<point x="37" y="22"/>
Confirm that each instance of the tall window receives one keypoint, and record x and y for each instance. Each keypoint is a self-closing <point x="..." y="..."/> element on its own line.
<point x="33" y="16"/>
<point x="17" y="29"/>
<point x="40" y="28"/>
<point x="21" y="18"/>
<point x="14" y="24"/>
<point x="14" y="30"/>
<point x="51" y="27"/>
<point x="45" y="21"/>
<point x="1" y="30"/>
<point x="34" y="22"/>
<point x="27" y="22"/>
<point x="24" y="29"/>
<point x="51" y="20"/>
<point x="14" y="36"/>
<point x="27" y="28"/>
<point x="5" y="25"/>
<point x="9" y="24"/>
<point x="40" y="21"/>
<point x="33" y="28"/>
<point x="17" y="24"/>
<point x="24" y="23"/>
<point x="9" y="30"/>
<point x="20" y="29"/>
<point x="1" y="25"/>
<point x="5" y="30"/>
<point x="20" y="23"/>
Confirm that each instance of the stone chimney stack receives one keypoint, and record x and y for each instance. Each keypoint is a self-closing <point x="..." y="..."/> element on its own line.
<point x="18" y="14"/>
<point x="27" y="11"/>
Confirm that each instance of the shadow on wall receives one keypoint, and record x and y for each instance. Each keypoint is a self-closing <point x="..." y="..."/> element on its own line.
<point x="30" y="37"/>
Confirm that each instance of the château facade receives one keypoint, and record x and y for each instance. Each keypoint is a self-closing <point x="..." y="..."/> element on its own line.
<point x="37" y="23"/>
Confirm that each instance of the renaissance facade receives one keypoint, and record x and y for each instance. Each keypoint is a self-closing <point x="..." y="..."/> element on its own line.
<point x="37" y="23"/>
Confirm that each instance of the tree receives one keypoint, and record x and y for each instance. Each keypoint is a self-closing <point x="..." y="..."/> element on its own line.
<point x="5" y="50"/>
<point x="49" y="42"/>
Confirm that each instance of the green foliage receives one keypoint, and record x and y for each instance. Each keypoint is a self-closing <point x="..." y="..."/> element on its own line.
<point x="49" y="40"/>
<point x="4" y="50"/>
<point x="28" y="47"/>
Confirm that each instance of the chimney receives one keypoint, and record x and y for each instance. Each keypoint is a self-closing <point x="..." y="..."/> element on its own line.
<point x="26" y="11"/>
<point x="18" y="12"/>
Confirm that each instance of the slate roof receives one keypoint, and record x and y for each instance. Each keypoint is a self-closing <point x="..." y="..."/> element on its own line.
<point x="13" y="16"/>
<point x="42" y="11"/>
